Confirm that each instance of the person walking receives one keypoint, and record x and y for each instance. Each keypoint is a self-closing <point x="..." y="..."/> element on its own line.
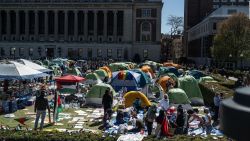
<point x="41" y="104"/>
<point x="107" y="100"/>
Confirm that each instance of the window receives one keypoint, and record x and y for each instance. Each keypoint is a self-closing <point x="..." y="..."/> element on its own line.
<point x="145" y="53"/>
<point x="231" y="11"/>
<point x="224" y="0"/>
<point x="145" y="31"/>
<point x="146" y="12"/>
<point x="109" y="53"/>
<point x="119" y="53"/>
<point x="89" y="53"/>
<point x="2" y="52"/>
<point x="12" y="51"/>
<point x="99" y="53"/>
<point x="214" y="26"/>
<point x="21" y="51"/>
<point x="31" y="51"/>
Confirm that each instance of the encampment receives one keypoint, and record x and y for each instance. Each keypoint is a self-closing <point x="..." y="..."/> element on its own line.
<point x="178" y="96"/>
<point x="130" y="97"/>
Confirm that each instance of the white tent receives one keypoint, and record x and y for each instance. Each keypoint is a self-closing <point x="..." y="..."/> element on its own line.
<point x="34" y="66"/>
<point x="18" y="71"/>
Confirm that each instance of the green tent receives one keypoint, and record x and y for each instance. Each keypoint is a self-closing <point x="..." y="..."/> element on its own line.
<point x="94" y="96"/>
<point x="46" y="63"/>
<point x="92" y="76"/>
<point x="101" y="73"/>
<point x="74" y="71"/>
<point x="56" y="70"/>
<point x="206" y="79"/>
<point x="118" y="66"/>
<point x="178" y="96"/>
<point x="189" y="84"/>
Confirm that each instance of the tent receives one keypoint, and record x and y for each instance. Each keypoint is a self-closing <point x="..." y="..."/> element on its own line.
<point x="175" y="78"/>
<point x="206" y="79"/>
<point x="92" y="78"/>
<point x="46" y="63"/>
<point x="18" y="71"/>
<point x="67" y="83"/>
<point x="118" y="66"/>
<point x="163" y="82"/>
<point x="70" y="78"/>
<point x="168" y="64"/>
<point x="178" y="96"/>
<point x="56" y="70"/>
<point x="154" y="65"/>
<point x="94" y="96"/>
<point x="147" y="69"/>
<point x="196" y="74"/>
<point x="108" y="71"/>
<point x="131" y="96"/>
<point x="101" y="73"/>
<point x="189" y="84"/>
<point x="74" y="71"/>
<point x="128" y="79"/>
<point x="165" y="70"/>
<point x="34" y="66"/>
<point x="144" y="79"/>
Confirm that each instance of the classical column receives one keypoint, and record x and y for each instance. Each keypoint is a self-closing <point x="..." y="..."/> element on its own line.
<point x="105" y="25"/>
<point x="115" y="26"/>
<point x="36" y="24"/>
<point x="66" y="25"/>
<point x="8" y="24"/>
<point x="17" y="24"/>
<point x="56" y="25"/>
<point x="86" y="25"/>
<point x="95" y="25"/>
<point x="46" y="23"/>
<point x="76" y="24"/>
<point x="27" y="23"/>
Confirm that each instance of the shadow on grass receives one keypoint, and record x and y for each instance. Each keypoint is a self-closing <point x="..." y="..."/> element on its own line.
<point x="48" y="125"/>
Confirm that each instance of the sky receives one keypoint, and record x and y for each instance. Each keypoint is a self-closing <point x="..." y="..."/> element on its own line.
<point x="171" y="7"/>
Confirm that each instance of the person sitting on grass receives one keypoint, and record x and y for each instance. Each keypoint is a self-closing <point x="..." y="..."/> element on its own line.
<point x="207" y="121"/>
<point x="137" y="105"/>
<point x="120" y="117"/>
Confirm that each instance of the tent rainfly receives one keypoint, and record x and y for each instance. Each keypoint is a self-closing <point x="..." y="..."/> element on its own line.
<point x="34" y="66"/>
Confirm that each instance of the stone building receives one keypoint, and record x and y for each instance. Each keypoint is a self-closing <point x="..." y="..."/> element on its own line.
<point x="80" y="29"/>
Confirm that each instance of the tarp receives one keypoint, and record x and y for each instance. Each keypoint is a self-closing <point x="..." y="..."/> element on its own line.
<point x="118" y="66"/>
<point x="206" y="79"/>
<point x="189" y="84"/>
<point x="148" y="69"/>
<point x="70" y="78"/>
<point x="196" y="74"/>
<point x="168" y="64"/>
<point x="144" y="79"/>
<point x="34" y="66"/>
<point x="165" y="70"/>
<point x="163" y="82"/>
<point x="178" y="96"/>
<point x="131" y="96"/>
<point x="127" y="79"/>
<point x="108" y="71"/>
<point x="101" y="73"/>
<point x="94" y="96"/>
<point x="18" y="71"/>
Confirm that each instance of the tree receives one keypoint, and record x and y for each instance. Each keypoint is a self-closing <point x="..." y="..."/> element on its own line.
<point x="176" y="24"/>
<point x="233" y="39"/>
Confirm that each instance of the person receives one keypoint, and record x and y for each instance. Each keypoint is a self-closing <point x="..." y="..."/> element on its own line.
<point x="193" y="116"/>
<point x="207" y="121"/>
<point x="137" y="104"/>
<point x="150" y="117"/>
<point x="216" y="106"/>
<point x="139" y="126"/>
<point x="120" y="117"/>
<point x="162" y="128"/>
<point x="164" y="103"/>
<point x="181" y="121"/>
<point x="106" y="119"/>
<point x="107" y="100"/>
<point x="41" y="104"/>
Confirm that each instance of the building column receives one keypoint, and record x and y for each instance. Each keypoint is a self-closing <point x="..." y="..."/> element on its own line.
<point x="26" y="24"/>
<point x="95" y="25"/>
<point x="46" y="24"/>
<point x="86" y="25"/>
<point x="76" y="24"/>
<point x="66" y="21"/>
<point x="0" y="24"/>
<point x="8" y="24"/>
<point x="36" y="24"/>
<point x="115" y="26"/>
<point x="56" y="25"/>
<point x="105" y="25"/>
<point x="17" y="24"/>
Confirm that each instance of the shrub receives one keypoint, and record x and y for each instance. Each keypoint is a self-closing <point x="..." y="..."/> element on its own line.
<point x="224" y="81"/>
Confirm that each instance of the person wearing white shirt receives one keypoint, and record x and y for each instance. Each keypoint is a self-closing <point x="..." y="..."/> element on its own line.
<point x="164" y="103"/>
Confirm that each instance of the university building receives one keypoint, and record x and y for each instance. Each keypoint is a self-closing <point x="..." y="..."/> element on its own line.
<point x="80" y="29"/>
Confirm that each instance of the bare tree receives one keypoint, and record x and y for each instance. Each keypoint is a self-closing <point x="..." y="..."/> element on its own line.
<point x="176" y="24"/>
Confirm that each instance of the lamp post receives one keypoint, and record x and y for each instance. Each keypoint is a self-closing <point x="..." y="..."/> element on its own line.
<point x="46" y="53"/>
<point x="14" y="53"/>
<point x="241" y="60"/>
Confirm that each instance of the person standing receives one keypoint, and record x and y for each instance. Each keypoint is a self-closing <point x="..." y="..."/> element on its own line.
<point x="107" y="100"/>
<point x="41" y="104"/>
<point x="150" y="117"/>
<point x="164" y="103"/>
<point x="216" y="106"/>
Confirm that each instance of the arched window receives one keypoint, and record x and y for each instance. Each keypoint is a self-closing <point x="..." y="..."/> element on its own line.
<point x="146" y="31"/>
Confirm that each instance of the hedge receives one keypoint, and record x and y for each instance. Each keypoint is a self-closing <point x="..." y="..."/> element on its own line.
<point x="83" y="136"/>
<point x="208" y="90"/>
<point x="223" y="81"/>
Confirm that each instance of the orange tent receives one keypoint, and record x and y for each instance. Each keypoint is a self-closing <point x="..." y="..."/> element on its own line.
<point x="105" y="68"/>
<point x="167" y="64"/>
<point x="163" y="82"/>
<point x="147" y="69"/>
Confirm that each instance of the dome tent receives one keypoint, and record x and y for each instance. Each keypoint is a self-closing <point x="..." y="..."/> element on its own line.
<point x="108" y="71"/>
<point x="196" y="74"/>
<point x="118" y="66"/>
<point x="163" y="82"/>
<point x="92" y="78"/>
<point x="94" y="96"/>
<point x="178" y="96"/>
<point x="144" y="79"/>
<point x="131" y="96"/>
<point x="101" y="73"/>
<point x="165" y="70"/>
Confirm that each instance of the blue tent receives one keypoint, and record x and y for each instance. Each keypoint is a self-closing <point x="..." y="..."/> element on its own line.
<point x="145" y="79"/>
<point x="196" y="74"/>
<point x="128" y="79"/>
<point x="165" y="70"/>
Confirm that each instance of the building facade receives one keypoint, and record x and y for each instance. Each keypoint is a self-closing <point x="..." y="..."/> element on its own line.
<point x="195" y="12"/>
<point x="80" y="29"/>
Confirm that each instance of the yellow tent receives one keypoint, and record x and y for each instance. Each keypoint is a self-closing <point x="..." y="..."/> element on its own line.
<point x="131" y="96"/>
<point x="105" y="68"/>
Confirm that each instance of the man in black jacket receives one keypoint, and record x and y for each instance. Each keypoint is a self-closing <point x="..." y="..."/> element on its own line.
<point x="107" y="100"/>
